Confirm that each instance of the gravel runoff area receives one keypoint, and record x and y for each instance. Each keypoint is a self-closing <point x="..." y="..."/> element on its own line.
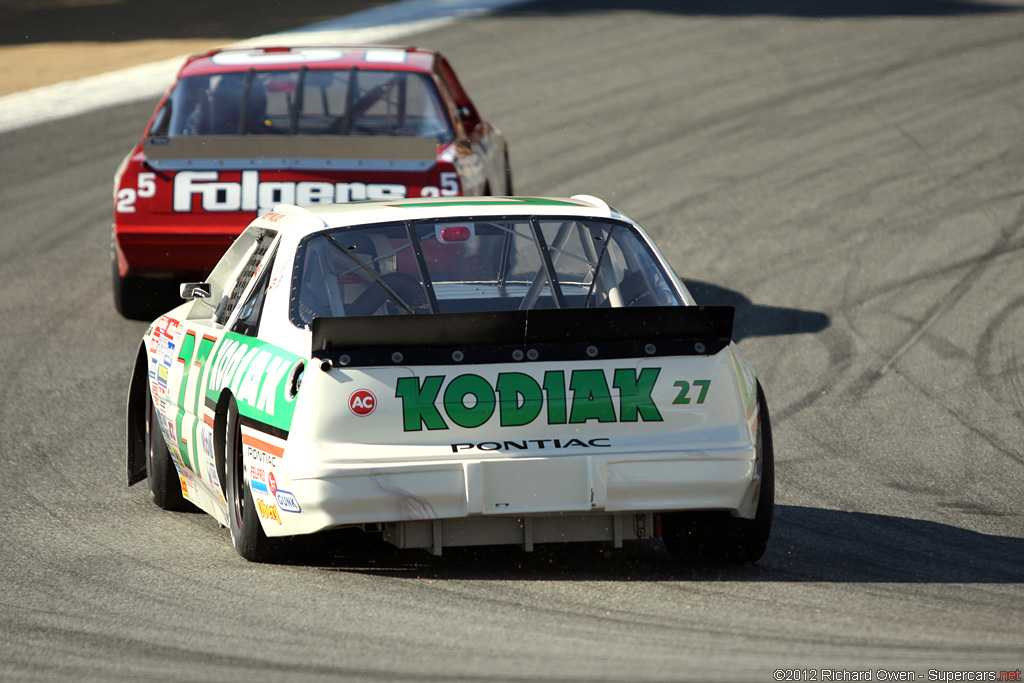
<point x="43" y="42"/>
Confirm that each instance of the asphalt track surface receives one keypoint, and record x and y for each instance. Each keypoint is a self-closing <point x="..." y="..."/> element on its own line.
<point x="850" y="178"/>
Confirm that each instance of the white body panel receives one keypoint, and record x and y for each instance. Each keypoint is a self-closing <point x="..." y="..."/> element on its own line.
<point x="346" y="469"/>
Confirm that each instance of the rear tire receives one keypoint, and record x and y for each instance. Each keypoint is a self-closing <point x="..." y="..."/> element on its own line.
<point x="718" y="537"/>
<point x="164" y="485"/>
<point x="246" y="531"/>
<point x="143" y="298"/>
<point x="508" y="176"/>
<point x="129" y="296"/>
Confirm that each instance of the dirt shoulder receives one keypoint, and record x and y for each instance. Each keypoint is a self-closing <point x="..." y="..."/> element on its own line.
<point x="43" y="42"/>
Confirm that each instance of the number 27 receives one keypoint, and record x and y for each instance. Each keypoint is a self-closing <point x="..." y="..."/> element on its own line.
<point x="684" y="389"/>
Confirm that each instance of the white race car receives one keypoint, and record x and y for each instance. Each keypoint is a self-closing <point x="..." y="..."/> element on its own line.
<point x="453" y="372"/>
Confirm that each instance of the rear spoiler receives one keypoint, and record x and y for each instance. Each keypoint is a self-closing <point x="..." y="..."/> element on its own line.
<point x="306" y="152"/>
<point x="511" y="336"/>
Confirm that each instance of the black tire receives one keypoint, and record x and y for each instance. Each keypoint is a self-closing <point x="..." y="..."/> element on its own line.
<point x="164" y="485"/>
<point x="129" y="296"/>
<point x="508" y="175"/>
<point x="246" y="532"/>
<point x="718" y="537"/>
<point x="143" y="298"/>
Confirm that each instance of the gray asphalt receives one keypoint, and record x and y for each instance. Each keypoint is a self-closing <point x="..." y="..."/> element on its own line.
<point x="848" y="176"/>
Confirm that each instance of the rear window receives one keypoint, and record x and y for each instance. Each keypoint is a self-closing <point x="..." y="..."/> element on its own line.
<point x="305" y="102"/>
<point x="472" y="265"/>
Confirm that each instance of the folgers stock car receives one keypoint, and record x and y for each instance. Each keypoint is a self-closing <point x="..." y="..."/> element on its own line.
<point x="451" y="372"/>
<point x="243" y="130"/>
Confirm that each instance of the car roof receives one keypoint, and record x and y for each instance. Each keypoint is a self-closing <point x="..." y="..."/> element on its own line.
<point x="331" y="57"/>
<point x="291" y="218"/>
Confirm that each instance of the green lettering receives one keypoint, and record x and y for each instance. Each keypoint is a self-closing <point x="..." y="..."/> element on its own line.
<point x="635" y="394"/>
<point x="205" y="346"/>
<point x="591" y="399"/>
<point x="188" y="345"/>
<point x="418" y="407"/>
<point x="248" y="389"/>
<point x="455" y="401"/>
<point x="520" y="399"/>
<point x="554" y="389"/>
<point x="234" y="379"/>
<point x="272" y="385"/>
<point x="684" y="389"/>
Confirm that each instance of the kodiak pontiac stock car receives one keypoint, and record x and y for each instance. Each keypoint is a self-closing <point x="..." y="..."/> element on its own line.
<point x="244" y="129"/>
<point x="453" y="372"/>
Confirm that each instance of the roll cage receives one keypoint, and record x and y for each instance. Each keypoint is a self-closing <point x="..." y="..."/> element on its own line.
<point x="476" y="264"/>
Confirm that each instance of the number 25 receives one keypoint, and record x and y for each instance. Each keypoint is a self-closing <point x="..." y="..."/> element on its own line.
<point x="126" y="196"/>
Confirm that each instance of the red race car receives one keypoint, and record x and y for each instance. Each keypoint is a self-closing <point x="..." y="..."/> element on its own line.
<point x="245" y="129"/>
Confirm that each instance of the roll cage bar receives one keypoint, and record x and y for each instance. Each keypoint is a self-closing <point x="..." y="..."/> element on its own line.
<point x="547" y="274"/>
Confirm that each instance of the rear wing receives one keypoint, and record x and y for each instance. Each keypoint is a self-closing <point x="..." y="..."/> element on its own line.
<point x="512" y="336"/>
<point x="305" y="152"/>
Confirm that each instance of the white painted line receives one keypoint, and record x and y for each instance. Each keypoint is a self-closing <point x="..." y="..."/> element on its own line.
<point x="369" y="27"/>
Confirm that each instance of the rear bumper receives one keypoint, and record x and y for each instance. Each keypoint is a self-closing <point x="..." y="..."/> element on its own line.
<point x="587" y="492"/>
<point x="171" y="251"/>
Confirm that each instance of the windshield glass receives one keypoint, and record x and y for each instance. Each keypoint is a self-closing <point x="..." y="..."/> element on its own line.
<point x="460" y="266"/>
<point x="305" y="102"/>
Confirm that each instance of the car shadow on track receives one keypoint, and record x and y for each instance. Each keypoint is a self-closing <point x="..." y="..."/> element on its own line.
<point x="807" y="545"/>
<point x="757" y="320"/>
<point x="816" y="9"/>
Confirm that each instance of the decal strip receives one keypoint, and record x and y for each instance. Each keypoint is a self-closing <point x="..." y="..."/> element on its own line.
<point x="188" y="344"/>
<point x="205" y="346"/>
<point x="276" y="451"/>
<point x="258" y="426"/>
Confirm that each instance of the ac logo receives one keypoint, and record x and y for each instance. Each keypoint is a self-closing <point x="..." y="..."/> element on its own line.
<point x="362" y="402"/>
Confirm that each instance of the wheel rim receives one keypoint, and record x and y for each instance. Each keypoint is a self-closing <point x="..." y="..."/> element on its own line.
<point x="150" y="459"/>
<point x="238" y="479"/>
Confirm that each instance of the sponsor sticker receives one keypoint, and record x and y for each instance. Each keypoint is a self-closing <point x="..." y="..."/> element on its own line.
<point x="362" y="402"/>
<point x="267" y="511"/>
<point x="257" y="374"/>
<point x="518" y="399"/>
<point x="287" y="502"/>
<point x="253" y="194"/>
<point x="532" y="444"/>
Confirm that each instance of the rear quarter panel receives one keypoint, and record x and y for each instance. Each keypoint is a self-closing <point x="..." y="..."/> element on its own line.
<point x="525" y="409"/>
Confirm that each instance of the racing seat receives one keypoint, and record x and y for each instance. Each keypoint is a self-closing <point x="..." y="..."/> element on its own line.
<point x="226" y="106"/>
<point x="635" y="292"/>
<point x="409" y="289"/>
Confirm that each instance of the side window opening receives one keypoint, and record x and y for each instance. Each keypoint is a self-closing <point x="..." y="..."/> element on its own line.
<point x="162" y="120"/>
<point x="251" y="310"/>
<point x="251" y="268"/>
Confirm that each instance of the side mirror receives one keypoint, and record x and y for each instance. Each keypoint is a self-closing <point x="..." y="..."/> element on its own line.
<point x="195" y="290"/>
<point x="464" y="113"/>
